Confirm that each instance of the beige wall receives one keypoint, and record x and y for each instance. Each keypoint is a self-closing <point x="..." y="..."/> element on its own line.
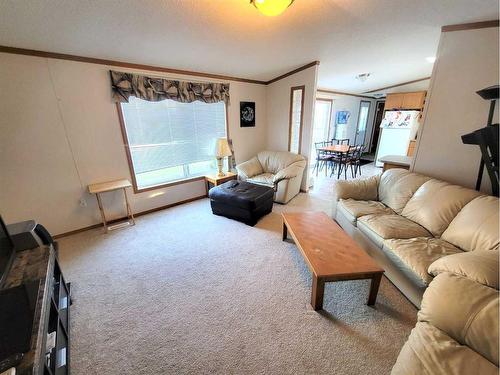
<point x="278" y="112"/>
<point x="60" y="132"/>
<point x="467" y="61"/>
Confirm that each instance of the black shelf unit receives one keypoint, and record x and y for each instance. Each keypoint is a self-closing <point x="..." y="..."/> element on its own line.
<point x="57" y="361"/>
<point x="51" y="312"/>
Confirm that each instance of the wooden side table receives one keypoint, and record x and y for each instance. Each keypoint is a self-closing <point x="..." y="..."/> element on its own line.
<point x="104" y="187"/>
<point x="212" y="180"/>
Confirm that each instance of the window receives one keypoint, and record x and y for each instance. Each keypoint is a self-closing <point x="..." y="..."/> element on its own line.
<point x="169" y="141"/>
<point x="296" y="119"/>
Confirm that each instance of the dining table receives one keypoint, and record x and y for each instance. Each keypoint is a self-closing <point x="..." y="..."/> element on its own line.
<point x="340" y="150"/>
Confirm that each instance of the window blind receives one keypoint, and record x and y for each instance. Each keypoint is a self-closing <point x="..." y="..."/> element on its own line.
<point x="168" y="133"/>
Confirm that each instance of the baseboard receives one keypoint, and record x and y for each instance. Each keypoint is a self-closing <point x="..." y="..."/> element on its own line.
<point x="141" y="213"/>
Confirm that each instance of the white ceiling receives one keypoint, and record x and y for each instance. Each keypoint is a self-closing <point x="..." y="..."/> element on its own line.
<point x="388" y="38"/>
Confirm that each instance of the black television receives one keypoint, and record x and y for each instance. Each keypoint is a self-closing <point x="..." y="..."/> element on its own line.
<point x="7" y="252"/>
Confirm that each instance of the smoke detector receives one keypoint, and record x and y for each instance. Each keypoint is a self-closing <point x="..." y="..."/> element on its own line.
<point x="362" y="77"/>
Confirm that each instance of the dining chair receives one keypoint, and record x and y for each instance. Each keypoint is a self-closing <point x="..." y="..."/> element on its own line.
<point x="333" y="157"/>
<point x="344" y="161"/>
<point x="356" y="160"/>
<point x="343" y="141"/>
<point x="322" y="157"/>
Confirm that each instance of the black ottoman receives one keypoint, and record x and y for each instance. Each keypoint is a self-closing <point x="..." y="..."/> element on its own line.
<point x="241" y="201"/>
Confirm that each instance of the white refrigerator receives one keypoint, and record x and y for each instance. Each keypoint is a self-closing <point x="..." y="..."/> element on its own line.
<point x="397" y="129"/>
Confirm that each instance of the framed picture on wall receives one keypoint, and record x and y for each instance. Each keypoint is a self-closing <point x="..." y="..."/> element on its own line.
<point x="342" y="117"/>
<point x="247" y="114"/>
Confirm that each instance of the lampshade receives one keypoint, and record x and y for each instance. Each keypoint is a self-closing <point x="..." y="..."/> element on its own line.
<point x="222" y="148"/>
<point x="271" y="7"/>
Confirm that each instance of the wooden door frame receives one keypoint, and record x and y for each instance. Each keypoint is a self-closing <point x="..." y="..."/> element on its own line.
<point x="292" y="89"/>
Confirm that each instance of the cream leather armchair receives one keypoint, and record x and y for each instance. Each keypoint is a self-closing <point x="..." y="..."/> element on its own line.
<point x="278" y="169"/>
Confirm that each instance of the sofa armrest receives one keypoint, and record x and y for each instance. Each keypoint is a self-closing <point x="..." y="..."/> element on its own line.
<point x="363" y="189"/>
<point x="249" y="168"/>
<point x="482" y="266"/>
<point x="292" y="171"/>
<point x="465" y="310"/>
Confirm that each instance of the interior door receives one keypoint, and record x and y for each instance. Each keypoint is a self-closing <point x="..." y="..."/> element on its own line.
<point x="364" y="110"/>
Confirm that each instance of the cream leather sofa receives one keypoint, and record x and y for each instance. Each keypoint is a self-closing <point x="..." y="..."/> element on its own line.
<point x="279" y="169"/>
<point x="407" y="221"/>
<point x="457" y="328"/>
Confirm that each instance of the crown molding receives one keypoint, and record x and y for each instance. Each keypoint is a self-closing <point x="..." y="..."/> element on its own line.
<point x="326" y="91"/>
<point x="304" y="67"/>
<point x="153" y="68"/>
<point x="470" y="26"/>
<point x="92" y="60"/>
<point x="398" y="85"/>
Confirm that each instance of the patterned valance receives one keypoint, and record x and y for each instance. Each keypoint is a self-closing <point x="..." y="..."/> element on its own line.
<point x="155" y="89"/>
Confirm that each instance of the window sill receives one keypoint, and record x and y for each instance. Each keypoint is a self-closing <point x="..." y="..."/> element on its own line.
<point x="138" y="190"/>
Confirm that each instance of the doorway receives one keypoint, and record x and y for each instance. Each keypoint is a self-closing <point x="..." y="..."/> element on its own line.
<point x="375" y="133"/>
<point x="379" y="115"/>
<point x="321" y="127"/>
<point x="364" y="110"/>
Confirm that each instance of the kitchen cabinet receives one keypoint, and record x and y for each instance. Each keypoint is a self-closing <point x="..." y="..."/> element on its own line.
<point x="405" y="100"/>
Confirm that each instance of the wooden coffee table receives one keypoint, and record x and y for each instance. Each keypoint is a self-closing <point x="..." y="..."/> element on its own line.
<point x="330" y="253"/>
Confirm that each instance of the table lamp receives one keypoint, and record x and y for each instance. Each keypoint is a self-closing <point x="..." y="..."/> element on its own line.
<point x="222" y="150"/>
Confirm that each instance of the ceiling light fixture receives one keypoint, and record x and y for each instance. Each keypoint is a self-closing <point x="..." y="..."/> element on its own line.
<point x="431" y="59"/>
<point x="271" y="8"/>
<point x="362" y="77"/>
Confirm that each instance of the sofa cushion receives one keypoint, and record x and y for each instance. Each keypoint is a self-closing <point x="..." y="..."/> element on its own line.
<point x="466" y="311"/>
<point x="249" y="168"/>
<point x="417" y="254"/>
<point x="365" y="189"/>
<point x="262" y="179"/>
<point x="480" y="266"/>
<point x="274" y="161"/>
<point x="352" y="209"/>
<point x="429" y="351"/>
<point x="476" y="225"/>
<point x="397" y="186"/>
<point x="436" y="203"/>
<point x="381" y="227"/>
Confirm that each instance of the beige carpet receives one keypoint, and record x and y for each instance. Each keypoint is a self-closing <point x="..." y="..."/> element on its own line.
<point x="187" y="292"/>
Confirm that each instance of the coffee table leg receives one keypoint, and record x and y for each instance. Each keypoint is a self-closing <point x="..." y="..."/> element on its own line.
<point x="285" y="231"/>
<point x="318" y="289"/>
<point x="374" y="289"/>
